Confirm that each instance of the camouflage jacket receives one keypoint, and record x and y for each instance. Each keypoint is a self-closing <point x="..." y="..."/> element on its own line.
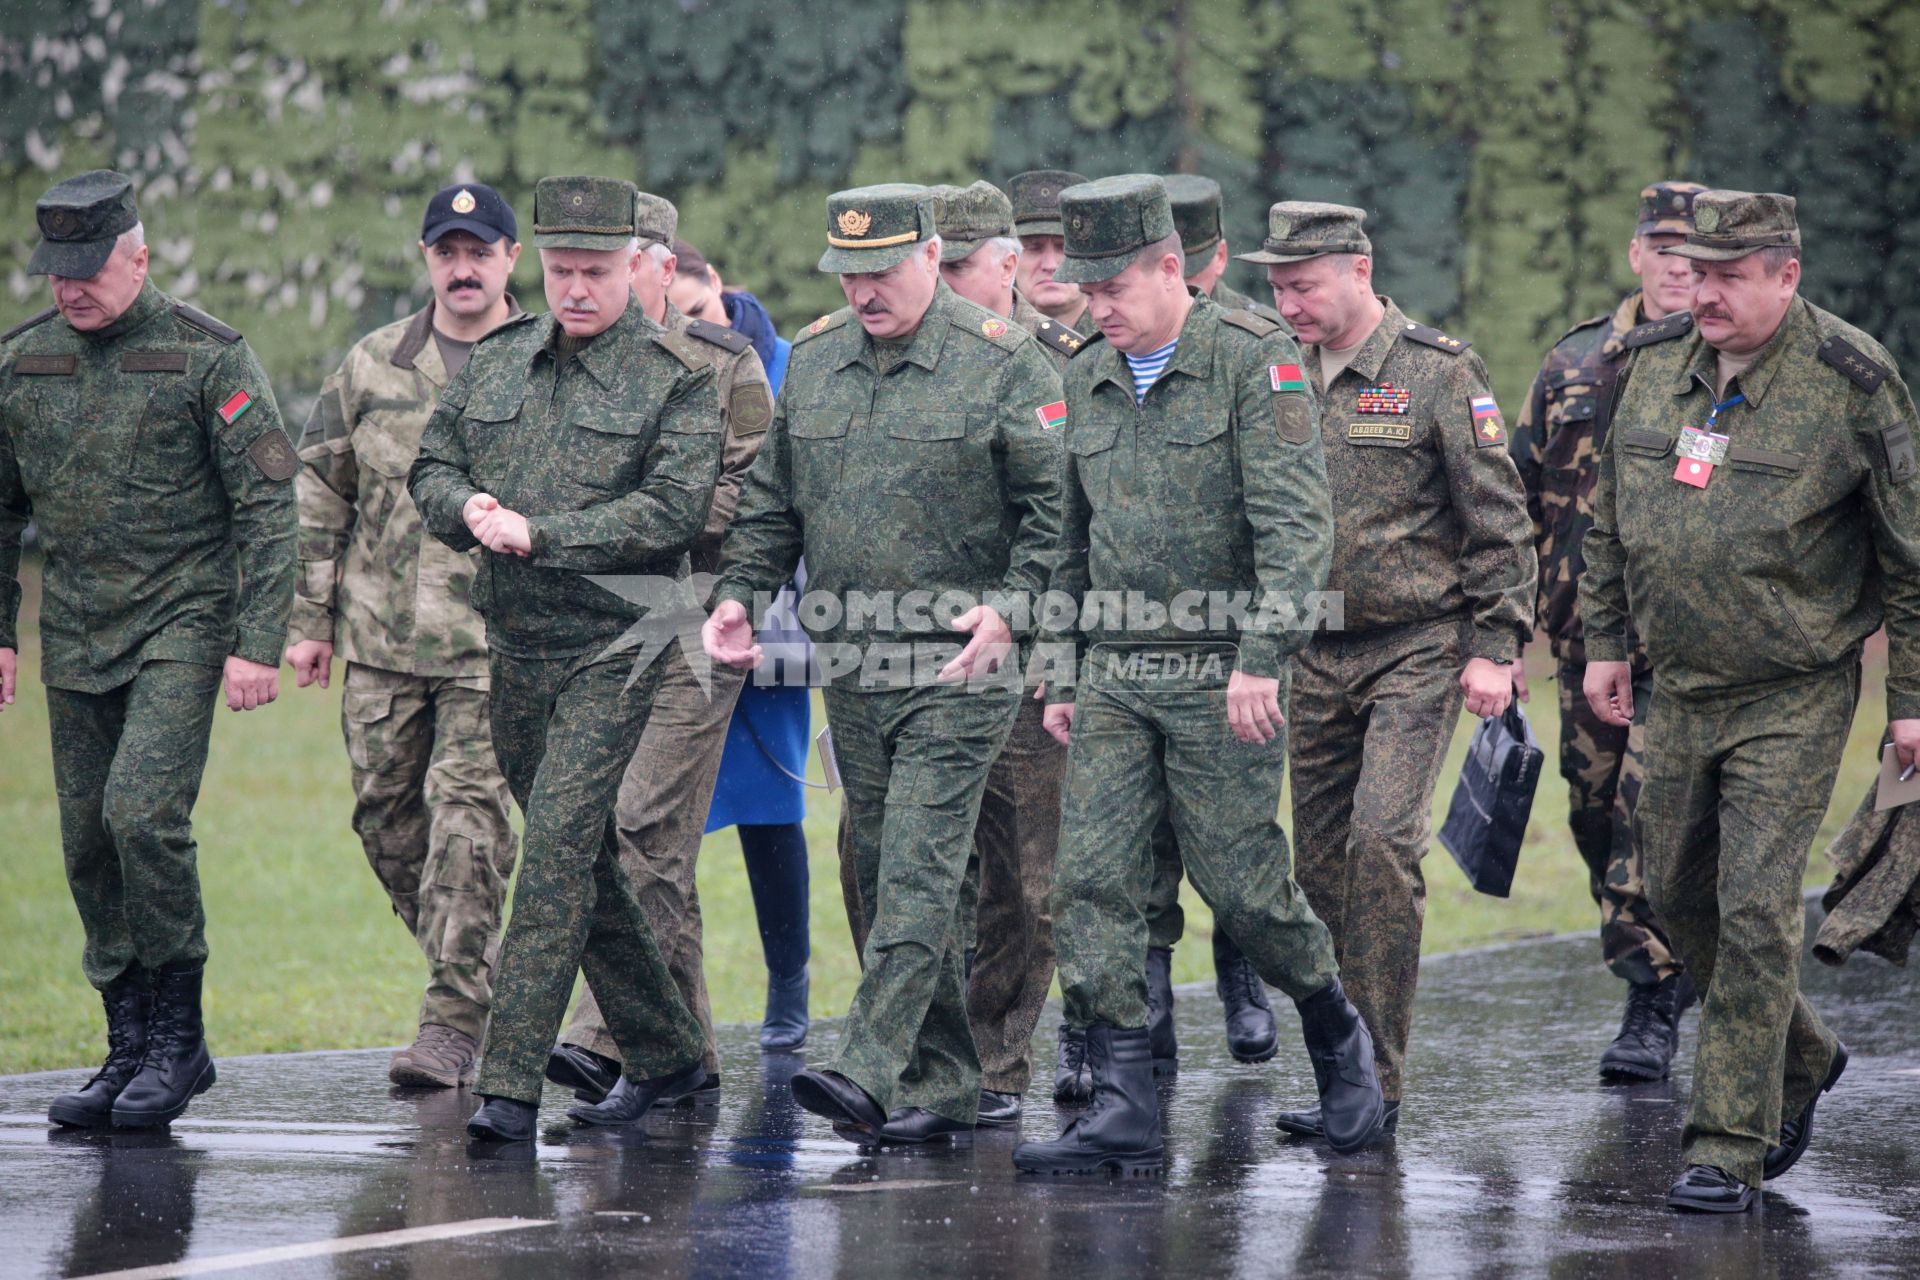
<point x="1557" y="446"/>
<point x="937" y="475"/>
<point x="611" y="456"/>
<point x="1805" y="537"/>
<point x="1213" y="483"/>
<point x="1231" y="299"/>
<point x="371" y="582"/>
<point x="1429" y="519"/>
<point x="1057" y="340"/>
<point x="746" y="409"/>
<point x="151" y="454"/>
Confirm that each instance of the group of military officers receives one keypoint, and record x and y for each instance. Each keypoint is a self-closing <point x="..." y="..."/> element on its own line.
<point x="1043" y="393"/>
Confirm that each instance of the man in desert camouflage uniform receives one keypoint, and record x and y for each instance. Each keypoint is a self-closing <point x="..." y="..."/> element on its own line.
<point x="661" y="814"/>
<point x="1557" y="447"/>
<point x="1433" y="559"/>
<point x="430" y="806"/>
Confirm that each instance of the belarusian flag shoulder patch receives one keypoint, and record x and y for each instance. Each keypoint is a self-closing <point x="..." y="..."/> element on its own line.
<point x="237" y="404"/>
<point x="1287" y="377"/>
<point x="1052" y="415"/>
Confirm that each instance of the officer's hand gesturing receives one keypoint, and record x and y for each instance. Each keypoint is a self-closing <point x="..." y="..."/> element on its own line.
<point x="1253" y="707"/>
<point x="1906" y="734"/>
<point x="312" y="661"/>
<point x="727" y="636"/>
<point x="249" y="684"/>
<point x="1609" y="690"/>
<point x="1488" y="685"/>
<point x="9" y="659"/>
<point x="992" y="642"/>
<point x="1057" y="720"/>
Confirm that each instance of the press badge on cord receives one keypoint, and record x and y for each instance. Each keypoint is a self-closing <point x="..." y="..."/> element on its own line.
<point x="1700" y="452"/>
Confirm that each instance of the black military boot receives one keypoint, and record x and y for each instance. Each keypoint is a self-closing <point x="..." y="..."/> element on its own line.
<point x="1352" y="1111"/>
<point x="1120" y="1129"/>
<point x="1649" y="1031"/>
<point x="1797" y="1132"/>
<point x="590" y="1075"/>
<point x="629" y="1099"/>
<point x="129" y="1004"/>
<point x="1306" y="1124"/>
<point x="1166" y="1051"/>
<point x="1072" y="1086"/>
<point x="503" y="1120"/>
<point x="1707" y="1188"/>
<point x="175" y="1066"/>
<point x="1251" y="1034"/>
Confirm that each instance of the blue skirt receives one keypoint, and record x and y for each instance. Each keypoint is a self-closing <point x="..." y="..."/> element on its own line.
<point x="770" y="727"/>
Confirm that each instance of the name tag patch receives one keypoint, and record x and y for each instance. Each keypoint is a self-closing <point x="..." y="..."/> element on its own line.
<point x="45" y="366"/>
<point x="1399" y="432"/>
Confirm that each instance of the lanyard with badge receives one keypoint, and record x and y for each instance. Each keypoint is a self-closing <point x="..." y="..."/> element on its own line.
<point x="1702" y="448"/>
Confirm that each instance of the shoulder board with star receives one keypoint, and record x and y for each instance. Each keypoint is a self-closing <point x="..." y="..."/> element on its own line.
<point x="198" y="319"/>
<point x="719" y="335"/>
<point x="1862" y="369"/>
<point x="1062" y="338"/>
<point x="684" y="349"/>
<point x="1602" y="318"/>
<point x="1429" y="336"/>
<point x="832" y="320"/>
<point x="31" y="322"/>
<point x="1643" y="335"/>
<point x="1252" y="321"/>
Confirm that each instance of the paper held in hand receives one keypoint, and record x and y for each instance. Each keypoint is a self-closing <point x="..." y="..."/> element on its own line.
<point x="829" y="765"/>
<point x="1893" y="792"/>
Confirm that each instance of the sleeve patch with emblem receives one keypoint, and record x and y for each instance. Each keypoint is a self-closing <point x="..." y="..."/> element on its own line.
<point x="750" y="407"/>
<point x="1052" y="415"/>
<point x="1488" y="429"/>
<point x="1287" y="377"/>
<point x="237" y="404"/>
<point x="273" y="454"/>
<point x="1293" y="417"/>
<point x="1897" y="442"/>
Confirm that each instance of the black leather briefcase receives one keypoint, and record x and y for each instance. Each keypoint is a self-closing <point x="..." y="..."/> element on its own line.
<point x="1488" y="817"/>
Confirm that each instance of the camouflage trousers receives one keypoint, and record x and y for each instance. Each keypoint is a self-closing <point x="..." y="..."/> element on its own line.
<point x="1604" y="766"/>
<point x="1372" y="718"/>
<point x="659" y="820"/>
<point x="1736" y="789"/>
<point x="914" y="763"/>
<point x="430" y="808"/>
<point x="565" y="730"/>
<point x="127" y="766"/>
<point x="1139" y="754"/>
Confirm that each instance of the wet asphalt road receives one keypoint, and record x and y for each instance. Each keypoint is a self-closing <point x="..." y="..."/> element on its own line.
<point x="1512" y="1159"/>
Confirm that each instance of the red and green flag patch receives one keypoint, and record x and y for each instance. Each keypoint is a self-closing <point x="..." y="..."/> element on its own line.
<point x="238" y="403"/>
<point x="1052" y="415"/>
<point x="1287" y="377"/>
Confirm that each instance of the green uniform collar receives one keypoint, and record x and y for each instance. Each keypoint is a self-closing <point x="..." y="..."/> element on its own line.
<point x="1372" y="355"/>
<point x="1193" y="354"/>
<point x="149" y="303"/>
<point x="928" y="341"/>
<point x="601" y="357"/>
<point x="1758" y="376"/>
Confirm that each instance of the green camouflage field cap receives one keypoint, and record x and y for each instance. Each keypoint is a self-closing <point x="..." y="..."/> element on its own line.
<point x="1733" y="224"/>
<point x="872" y="228"/>
<point x="584" y="213"/>
<point x="655" y="219"/>
<point x="80" y="218"/>
<point x="1302" y="229"/>
<point x="1109" y="222"/>
<point x="1666" y="209"/>
<point x="968" y="217"/>
<point x="1036" y="200"/>
<point x="1196" y="216"/>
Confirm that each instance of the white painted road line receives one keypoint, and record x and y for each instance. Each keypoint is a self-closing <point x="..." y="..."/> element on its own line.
<point x="323" y="1248"/>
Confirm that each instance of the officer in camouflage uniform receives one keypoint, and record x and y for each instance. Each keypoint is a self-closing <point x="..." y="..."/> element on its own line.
<point x="430" y="806"/>
<point x="1036" y="223"/>
<point x="584" y="442"/>
<point x="1203" y="237"/>
<point x="1199" y="474"/>
<point x="143" y="438"/>
<point x="1433" y="559"/>
<point x="911" y="453"/>
<point x="1757" y="517"/>
<point x="661" y="814"/>
<point x="1557" y="447"/>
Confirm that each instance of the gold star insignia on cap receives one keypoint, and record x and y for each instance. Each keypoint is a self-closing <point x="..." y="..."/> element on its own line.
<point x="464" y="202"/>
<point x="852" y="222"/>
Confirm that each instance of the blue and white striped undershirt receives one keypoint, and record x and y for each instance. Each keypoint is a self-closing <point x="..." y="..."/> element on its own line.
<point x="1148" y="368"/>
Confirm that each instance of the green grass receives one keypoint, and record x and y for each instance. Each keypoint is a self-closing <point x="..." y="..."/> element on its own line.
<point x="306" y="953"/>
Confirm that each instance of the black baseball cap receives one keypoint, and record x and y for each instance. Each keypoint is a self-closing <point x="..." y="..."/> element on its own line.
<point x="473" y="207"/>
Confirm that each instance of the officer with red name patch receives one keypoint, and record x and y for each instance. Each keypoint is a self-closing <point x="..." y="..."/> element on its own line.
<point x="143" y="438"/>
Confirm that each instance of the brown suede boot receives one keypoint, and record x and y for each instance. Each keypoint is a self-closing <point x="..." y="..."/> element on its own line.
<point x="438" y="1058"/>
